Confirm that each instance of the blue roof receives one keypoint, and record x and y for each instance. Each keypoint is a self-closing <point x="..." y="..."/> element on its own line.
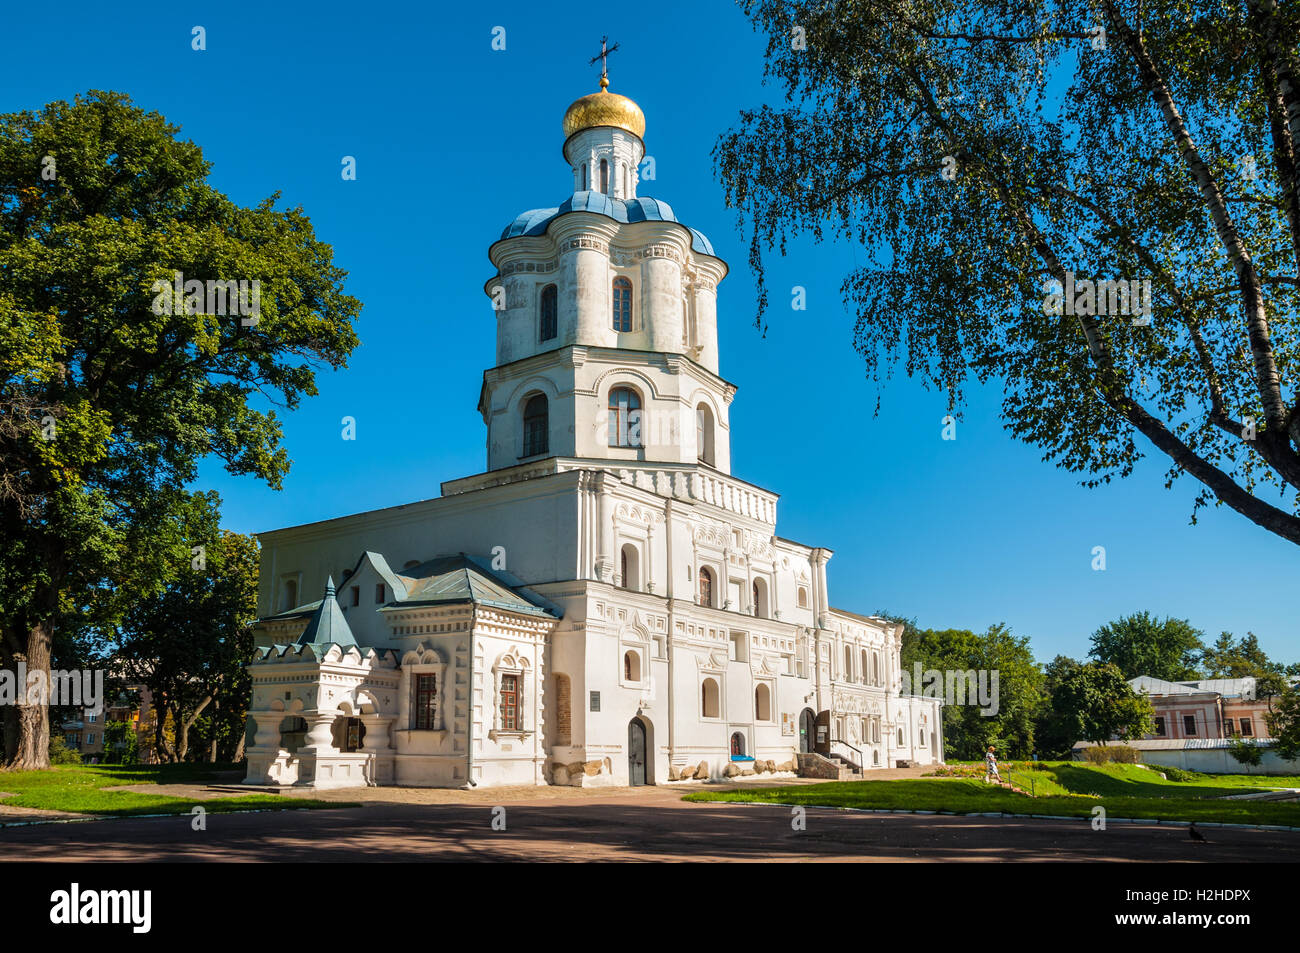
<point x="535" y="221"/>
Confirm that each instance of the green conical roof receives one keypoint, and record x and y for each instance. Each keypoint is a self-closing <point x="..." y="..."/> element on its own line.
<point x="328" y="623"/>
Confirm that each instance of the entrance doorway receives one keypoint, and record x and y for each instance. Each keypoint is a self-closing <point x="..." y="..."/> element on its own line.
<point x="636" y="774"/>
<point x="807" y="731"/>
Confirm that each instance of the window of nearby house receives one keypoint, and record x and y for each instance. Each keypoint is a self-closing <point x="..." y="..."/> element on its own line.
<point x="705" y="587"/>
<point x="624" y="417"/>
<point x="92" y="718"/>
<point x="548" y="318"/>
<point x="426" y="702"/>
<point x="510" y="702"/>
<point x="536" y="426"/>
<point x="1189" y="724"/>
<point x="622" y="298"/>
<point x="90" y="738"/>
<point x="1247" y="729"/>
<point x="1160" y="727"/>
<point x="379" y="592"/>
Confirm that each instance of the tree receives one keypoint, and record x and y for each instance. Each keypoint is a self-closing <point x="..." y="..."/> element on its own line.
<point x="990" y="155"/>
<point x="1053" y="736"/>
<point x="1284" y="724"/>
<point x="189" y="643"/>
<point x="113" y="393"/>
<point x="1138" y="644"/>
<point x="1094" y="702"/>
<point x="970" y="727"/>
<point x="121" y="746"/>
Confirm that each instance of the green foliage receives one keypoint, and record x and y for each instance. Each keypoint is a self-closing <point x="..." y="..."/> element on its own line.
<point x="1139" y="644"/>
<point x="60" y="753"/>
<point x="121" y="744"/>
<point x="1082" y="788"/>
<point x="1230" y="658"/>
<point x="1284" y="724"/>
<point x="1111" y="754"/>
<point x="190" y="642"/>
<point x="1094" y="702"/>
<point x="969" y="728"/>
<point x="97" y="517"/>
<point x="90" y="790"/>
<point x="1180" y="775"/>
<point x="980" y="150"/>
<point x="1246" y="752"/>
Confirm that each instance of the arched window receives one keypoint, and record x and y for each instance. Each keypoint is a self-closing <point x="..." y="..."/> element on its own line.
<point x="875" y="668"/>
<point x="704" y="434"/>
<point x="706" y="587"/>
<point x="629" y="567"/>
<point x="624" y="417"/>
<point x="865" y="669"/>
<point x="803" y="597"/>
<point x="622" y="298"/>
<point x="709" y="699"/>
<point x="604" y="176"/>
<point x="737" y="745"/>
<point x="631" y="667"/>
<point x="584" y="177"/>
<point x="848" y="664"/>
<point x="536" y="426"/>
<point x="547" y="320"/>
<point x="900" y="737"/>
<point x="623" y="169"/>
<point x="763" y="703"/>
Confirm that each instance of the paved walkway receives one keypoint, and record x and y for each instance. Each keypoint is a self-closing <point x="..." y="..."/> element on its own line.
<point x="638" y="824"/>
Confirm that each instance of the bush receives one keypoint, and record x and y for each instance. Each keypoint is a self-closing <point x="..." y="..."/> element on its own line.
<point x="1177" y="774"/>
<point x="1116" y="754"/>
<point x="1246" y="752"/>
<point x="60" y="753"/>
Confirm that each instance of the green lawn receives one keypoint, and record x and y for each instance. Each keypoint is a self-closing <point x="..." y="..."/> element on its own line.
<point x="1066" y="788"/>
<point x="88" y="789"/>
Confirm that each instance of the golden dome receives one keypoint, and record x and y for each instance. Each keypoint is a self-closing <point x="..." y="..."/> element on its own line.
<point x="604" y="109"/>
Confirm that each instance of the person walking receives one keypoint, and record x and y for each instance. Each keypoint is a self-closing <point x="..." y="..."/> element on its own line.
<point x="991" y="767"/>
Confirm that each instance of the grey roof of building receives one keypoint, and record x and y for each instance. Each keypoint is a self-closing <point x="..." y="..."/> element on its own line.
<point x="1228" y="687"/>
<point x="461" y="578"/>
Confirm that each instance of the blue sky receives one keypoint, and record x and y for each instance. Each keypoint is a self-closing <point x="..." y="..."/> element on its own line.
<point x="453" y="139"/>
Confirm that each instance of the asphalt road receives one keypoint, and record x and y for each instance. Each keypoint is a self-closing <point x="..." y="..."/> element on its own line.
<point x="654" y="827"/>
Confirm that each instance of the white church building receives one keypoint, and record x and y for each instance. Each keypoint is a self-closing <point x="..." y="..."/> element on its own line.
<point x="605" y="604"/>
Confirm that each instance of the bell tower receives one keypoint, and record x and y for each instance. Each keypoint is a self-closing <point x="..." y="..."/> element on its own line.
<point x="606" y="313"/>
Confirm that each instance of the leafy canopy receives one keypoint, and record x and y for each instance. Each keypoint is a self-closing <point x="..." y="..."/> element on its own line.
<point x="1163" y="151"/>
